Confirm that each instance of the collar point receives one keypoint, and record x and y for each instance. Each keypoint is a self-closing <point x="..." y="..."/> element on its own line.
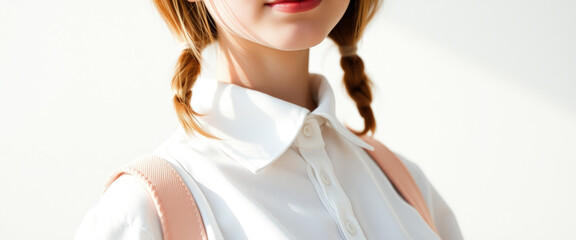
<point x="368" y="146"/>
<point x="256" y="168"/>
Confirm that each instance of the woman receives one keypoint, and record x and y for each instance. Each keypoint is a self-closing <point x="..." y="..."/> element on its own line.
<point x="260" y="148"/>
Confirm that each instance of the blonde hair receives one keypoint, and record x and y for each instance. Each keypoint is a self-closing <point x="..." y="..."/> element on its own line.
<point x="191" y="22"/>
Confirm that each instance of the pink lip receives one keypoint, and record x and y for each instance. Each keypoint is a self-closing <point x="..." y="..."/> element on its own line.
<point x="293" y="6"/>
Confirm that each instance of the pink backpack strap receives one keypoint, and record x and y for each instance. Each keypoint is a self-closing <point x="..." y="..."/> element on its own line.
<point x="179" y="215"/>
<point x="400" y="177"/>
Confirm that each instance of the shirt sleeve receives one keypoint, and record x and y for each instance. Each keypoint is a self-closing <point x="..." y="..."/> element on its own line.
<point x="125" y="211"/>
<point x="443" y="217"/>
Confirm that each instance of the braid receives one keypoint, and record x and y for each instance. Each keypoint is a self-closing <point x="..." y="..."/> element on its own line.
<point x="192" y="24"/>
<point x="346" y="35"/>
<point x="358" y="87"/>
<point x="187" y="71"/>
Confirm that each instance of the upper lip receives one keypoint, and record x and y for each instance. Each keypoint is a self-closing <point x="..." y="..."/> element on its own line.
<point x="281" y="1"/>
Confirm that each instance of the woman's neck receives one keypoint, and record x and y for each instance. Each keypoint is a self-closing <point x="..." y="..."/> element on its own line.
<point x="281" y="74"/>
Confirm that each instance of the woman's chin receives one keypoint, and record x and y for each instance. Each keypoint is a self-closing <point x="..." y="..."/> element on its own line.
<point x="296" y="42"/>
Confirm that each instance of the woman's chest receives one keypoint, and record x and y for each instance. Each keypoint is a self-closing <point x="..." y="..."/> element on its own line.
<point x="341" y="194"/>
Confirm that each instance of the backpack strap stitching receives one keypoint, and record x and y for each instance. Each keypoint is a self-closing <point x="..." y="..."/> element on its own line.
<point x="190" y="198"/>
<point x="167" y="190"/>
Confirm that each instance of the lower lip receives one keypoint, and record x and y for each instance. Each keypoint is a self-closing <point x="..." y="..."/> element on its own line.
<point x="295" y="7"/>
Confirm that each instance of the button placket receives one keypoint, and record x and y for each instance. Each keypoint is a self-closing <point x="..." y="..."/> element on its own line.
<point x="310" y="144"/>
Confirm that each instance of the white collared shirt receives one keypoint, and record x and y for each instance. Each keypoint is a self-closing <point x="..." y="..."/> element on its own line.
<point x="278" y="172"/>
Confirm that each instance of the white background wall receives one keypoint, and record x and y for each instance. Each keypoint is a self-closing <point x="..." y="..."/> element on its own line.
<point x="481" y="94"/>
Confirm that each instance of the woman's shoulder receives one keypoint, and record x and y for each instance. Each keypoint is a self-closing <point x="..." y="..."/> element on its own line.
<point x="443" y="216"/>
<point x="417" y="174"/>
<point x="124" y="211"/>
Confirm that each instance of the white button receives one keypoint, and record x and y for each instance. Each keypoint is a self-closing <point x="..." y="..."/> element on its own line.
<point x="350" y="228"/>
<point x="325" y="178"/>
<point x="307" y="130"/>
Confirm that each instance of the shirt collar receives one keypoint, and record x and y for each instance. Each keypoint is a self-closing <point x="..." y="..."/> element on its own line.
<point x="255" y="128"/>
